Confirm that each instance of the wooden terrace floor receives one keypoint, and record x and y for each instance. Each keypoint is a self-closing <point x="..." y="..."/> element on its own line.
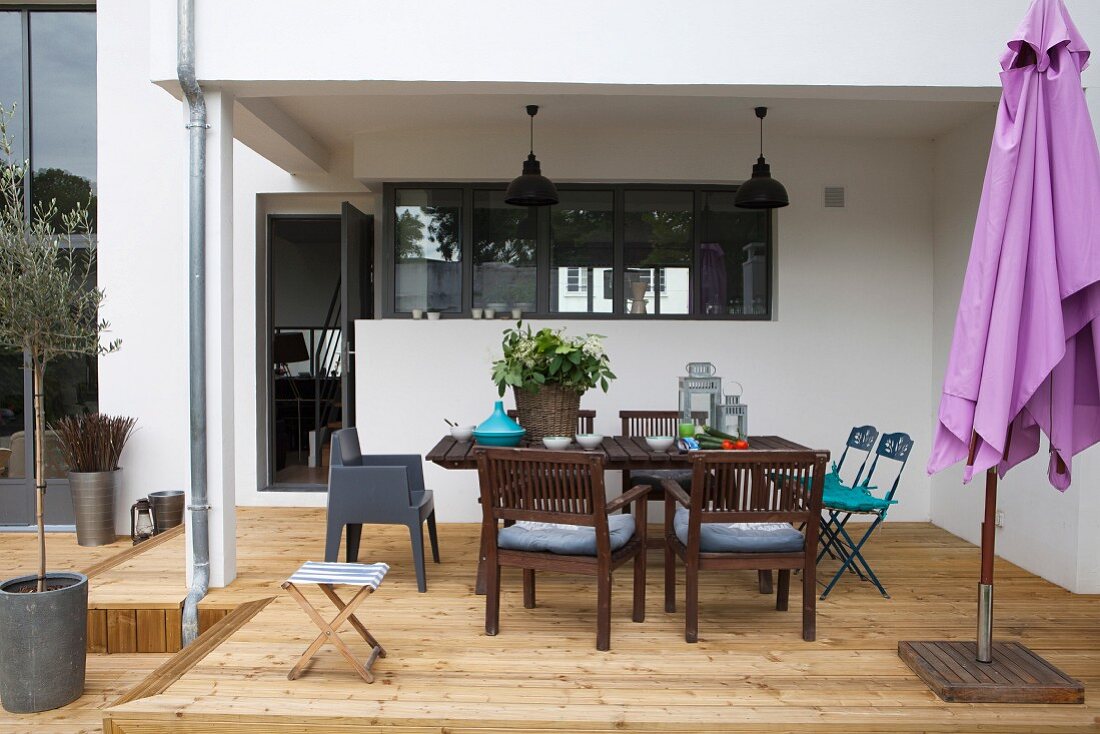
<point x="750" y="672"/>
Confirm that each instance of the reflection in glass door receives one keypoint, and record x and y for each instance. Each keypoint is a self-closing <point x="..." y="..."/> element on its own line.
<point x="55" y="127"/>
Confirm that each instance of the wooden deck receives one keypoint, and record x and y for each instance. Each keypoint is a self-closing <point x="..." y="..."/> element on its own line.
<point x="750" y="671"/>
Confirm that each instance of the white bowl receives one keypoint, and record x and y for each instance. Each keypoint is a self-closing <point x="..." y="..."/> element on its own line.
<point x="557" y="443"/>
<point x="589" y="441"/>
<point x="462" y="433"/>
<point x="660" y="443"/>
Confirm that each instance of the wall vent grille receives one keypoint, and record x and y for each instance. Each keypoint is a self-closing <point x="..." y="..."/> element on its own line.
<point x="834" y="197"/>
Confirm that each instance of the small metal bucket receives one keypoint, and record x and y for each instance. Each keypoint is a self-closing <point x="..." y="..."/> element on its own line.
<point x="167" y="508"/>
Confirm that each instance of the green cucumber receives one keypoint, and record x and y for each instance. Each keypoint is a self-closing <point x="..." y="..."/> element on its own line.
<point x="718" y="434"/>
<point x="709" y="443"/>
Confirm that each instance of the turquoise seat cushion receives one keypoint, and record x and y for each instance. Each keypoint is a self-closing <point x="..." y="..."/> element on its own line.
<point x="837" y="495"/>
<point x="566" y="540"/>
<point x="848" y="499"/>
<point x="745" y="537"/>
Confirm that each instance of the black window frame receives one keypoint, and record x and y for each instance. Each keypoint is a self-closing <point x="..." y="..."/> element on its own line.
<point x="388" y="264"/>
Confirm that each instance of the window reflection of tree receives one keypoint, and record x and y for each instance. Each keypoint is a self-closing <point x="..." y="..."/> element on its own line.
<point x="67" y="189"/>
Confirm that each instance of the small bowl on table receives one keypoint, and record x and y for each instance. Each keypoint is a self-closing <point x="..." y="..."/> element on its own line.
<point x="589" y="441"/>
<point x="557" y="443"/>
<point x="462" y="434"/>
<point x="660" y="443"/>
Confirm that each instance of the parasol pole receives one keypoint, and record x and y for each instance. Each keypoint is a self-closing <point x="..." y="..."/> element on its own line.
<point x="1018" y="675"/>
<point x="989" y="538"/>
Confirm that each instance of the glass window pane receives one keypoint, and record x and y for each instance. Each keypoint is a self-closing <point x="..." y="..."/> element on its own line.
<point x="581" y="252"/>
<point x="733" y="252"/>
<point x="71" y="388"/>
<point x="428" y="249"/>
<point x="657" y="252"/>
<point x="63" y="114"/>
<point x="504" y="253"/>
<point x="12" y="415"/>
<point x="11" y="76"/>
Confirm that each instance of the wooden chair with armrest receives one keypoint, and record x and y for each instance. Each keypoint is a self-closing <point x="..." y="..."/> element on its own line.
<point x="742" y="514"/>
<point x="544" y="492"/>
<point x="666" y="423"/>
<point x="641" y="423"/>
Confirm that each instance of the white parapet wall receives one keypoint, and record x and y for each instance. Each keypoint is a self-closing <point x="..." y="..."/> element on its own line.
<point x="868" y="43"/>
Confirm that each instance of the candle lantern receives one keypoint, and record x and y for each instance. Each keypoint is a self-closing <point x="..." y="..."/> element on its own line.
<point x="142" y="523"/>
<point x="700" y="385"/>
<point x="734" y="415"/>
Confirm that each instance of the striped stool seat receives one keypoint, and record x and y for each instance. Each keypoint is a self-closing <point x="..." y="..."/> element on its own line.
<point x="366" y="576"/>
<point x="340" y="574"/>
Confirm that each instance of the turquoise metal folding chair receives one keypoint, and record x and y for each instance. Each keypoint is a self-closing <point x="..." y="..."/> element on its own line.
<point x="842" y="503"/>
<point x="861" y="442"/>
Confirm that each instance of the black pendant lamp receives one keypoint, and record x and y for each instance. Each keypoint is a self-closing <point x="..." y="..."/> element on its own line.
<point x="761" y="191"/>
<point x="531" y="188"/>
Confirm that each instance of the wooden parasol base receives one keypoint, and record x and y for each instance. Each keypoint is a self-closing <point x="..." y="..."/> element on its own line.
<point x="1016" y="675"/>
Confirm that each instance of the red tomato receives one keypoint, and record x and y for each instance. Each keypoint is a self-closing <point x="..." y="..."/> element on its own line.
<point x="740" y="444"/>
<point x="727" y="444"/>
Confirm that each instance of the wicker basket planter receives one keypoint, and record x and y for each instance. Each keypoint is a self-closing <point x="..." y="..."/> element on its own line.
<point x="552" y="411"/>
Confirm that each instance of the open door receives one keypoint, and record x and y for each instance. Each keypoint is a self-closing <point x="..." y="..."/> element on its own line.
<point x="356" y="294"/>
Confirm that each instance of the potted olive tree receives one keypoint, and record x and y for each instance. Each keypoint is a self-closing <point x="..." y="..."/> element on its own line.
<point x="49" y="307"/>
<point x="93" y="444"/>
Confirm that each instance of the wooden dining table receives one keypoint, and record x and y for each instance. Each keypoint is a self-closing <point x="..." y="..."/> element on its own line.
<point x="620" y="452"/>
<point x="630" y="453"/>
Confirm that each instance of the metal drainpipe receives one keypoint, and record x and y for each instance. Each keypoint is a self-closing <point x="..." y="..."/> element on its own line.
<point x="196" y="127"/>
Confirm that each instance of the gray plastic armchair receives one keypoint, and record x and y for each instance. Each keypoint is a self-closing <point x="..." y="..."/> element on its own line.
<point x="382" y="489"/>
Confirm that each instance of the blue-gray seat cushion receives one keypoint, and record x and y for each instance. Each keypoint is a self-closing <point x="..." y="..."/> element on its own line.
<point x="744" y="537"/>
<point x="654" y="477"/>
<point x="566" y="540"/>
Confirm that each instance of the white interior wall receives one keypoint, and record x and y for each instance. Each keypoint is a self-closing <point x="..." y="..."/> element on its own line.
<point x="850" y="343"/>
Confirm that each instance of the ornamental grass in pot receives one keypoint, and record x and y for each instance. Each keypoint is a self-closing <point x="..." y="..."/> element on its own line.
<point x="93" y="444"/>
<point x="548" y="372"/>
<point x="49" y="308"/>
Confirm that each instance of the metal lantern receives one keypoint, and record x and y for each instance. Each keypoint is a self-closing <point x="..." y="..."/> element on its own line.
<point x="142" y="523"/>
<point x="700" y="382"/>
<point x="734" y="415"/>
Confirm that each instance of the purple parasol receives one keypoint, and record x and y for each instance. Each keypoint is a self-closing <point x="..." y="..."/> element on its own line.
<point x="1025" y="358"/>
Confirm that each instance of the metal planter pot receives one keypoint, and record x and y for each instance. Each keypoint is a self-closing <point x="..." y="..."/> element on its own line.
<point x="94" y="505"/>
<point x="167" y="508"/>
<point x="42" y="642"/>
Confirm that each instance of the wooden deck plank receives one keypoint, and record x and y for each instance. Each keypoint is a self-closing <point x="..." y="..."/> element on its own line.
<point x="150" y="631"/>
<point x="750" y="671"/>
<point x="122" y="630"/>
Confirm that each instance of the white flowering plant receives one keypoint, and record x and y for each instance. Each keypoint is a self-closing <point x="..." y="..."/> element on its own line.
<point x="549" y="357"/>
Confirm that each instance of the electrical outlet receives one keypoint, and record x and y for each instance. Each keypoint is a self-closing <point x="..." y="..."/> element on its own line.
<point x="999" y="519"/>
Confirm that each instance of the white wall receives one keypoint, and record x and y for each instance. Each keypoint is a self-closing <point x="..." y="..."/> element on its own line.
<point x="850" y="344"/>
<point x="855" y="286"/>
<point x="1045" y="530"/>
<point x="936" y="43"/>
<point x="142" y="169"/>
<point x="142" y="231"/>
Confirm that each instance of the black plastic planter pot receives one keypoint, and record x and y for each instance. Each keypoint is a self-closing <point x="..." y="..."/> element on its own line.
<point x="42" y="642"/>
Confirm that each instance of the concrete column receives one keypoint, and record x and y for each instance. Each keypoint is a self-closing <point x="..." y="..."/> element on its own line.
<point x="219" y="340"/>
